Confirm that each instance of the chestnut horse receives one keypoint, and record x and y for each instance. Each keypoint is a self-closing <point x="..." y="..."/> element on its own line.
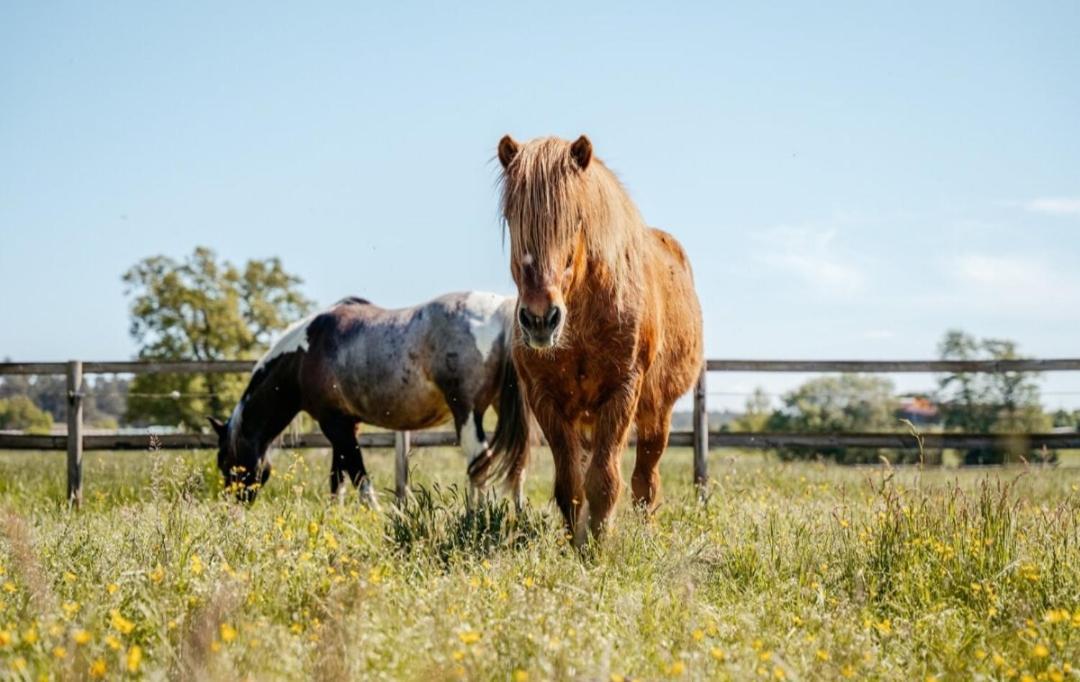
<point x="608" y="331"/>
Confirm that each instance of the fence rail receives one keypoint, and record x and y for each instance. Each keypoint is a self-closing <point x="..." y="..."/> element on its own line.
<point x="699" y="437"/>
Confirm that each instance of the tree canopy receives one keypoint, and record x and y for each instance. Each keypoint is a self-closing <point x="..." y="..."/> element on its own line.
<point x="203" y="308"/>
<point x="20" y="413"/>
<point x="1002" y="402"/>
<point x="838" y="404"/>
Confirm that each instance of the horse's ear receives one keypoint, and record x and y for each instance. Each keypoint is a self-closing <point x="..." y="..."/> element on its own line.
<point x="581" y="152"/>
<point x="219" y="426"/>
<point x="508" y="149"/>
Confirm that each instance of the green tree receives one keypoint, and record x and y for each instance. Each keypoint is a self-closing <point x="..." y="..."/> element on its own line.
<point x="1065" y="419"/>
<point x="1000" y="402"/>
<point x="203" y="309"/>
<point x="755" y="416"/>
<point x="20" y="413"/>
<point x="104" y="398"/>
<point x="838" y="404"/>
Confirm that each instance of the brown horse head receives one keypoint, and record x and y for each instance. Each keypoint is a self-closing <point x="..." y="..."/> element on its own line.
<point x="567" y="217"/>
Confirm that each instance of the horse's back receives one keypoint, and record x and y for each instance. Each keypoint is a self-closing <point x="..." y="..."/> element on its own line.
<point x="400" y="368"/>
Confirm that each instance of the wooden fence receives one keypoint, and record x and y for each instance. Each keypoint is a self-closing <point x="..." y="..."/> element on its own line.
<point x="700" y="438"/>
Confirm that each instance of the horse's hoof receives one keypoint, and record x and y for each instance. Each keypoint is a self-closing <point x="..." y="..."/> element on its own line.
<point x="367" y="495"/>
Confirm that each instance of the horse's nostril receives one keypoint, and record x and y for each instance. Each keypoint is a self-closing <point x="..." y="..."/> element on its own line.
<point x="524" y="318"/>
<point x="553" y="316"/>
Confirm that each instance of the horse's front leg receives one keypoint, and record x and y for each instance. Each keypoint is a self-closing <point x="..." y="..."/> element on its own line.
<point x="565" y="445"/>
<point x="603" y="482"/>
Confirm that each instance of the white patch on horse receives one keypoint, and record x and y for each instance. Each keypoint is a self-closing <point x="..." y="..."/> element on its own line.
<point x="484" y="325"/>
<point x="471" y="444"/>
<point x="294" y="338"/>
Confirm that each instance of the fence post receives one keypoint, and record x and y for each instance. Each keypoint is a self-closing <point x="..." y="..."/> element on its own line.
<point x="701" y="431"/>
<point x="74" y="431"/>
<point x="401" y="464"/>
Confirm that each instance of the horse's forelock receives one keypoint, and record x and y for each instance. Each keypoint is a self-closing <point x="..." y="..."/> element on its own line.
<point x="546" y="194"/>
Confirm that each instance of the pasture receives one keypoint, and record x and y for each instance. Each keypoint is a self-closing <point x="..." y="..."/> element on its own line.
<point x="786" y="571"/>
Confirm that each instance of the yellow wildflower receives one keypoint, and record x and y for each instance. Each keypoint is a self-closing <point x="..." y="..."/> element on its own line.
<point x="228" y="633"/>
<point x="822" y="655"/>
<point x="9" y="587"/>
<point x="5" y="638"/>
<point x="718" y="654"/>
<point x="81" y="637"/>
<point x="1040" y="651"/>
<point x="698" y="635"/>
<point x="121" y="624"/>
<point x="676" y="669"/>
<point x="70" y="577"/>
<point x="98" y="668"/>
<point x="521" y="676"/>
<point x="469" y="637"/>
<point x="134" y="658"/>
<point x="158" y="574"/>
<point x="59" y="652"/>
<point x="111" y="588"/>
<point x="30" y="636"/>
<point x="112" y="642"/>
<point x="196" y="565"/>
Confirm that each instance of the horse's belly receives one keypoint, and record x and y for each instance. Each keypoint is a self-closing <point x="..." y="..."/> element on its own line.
<point x="402" y="408"/>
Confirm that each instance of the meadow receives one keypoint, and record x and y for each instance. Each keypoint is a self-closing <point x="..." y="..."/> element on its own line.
<point x="784" y="571"/>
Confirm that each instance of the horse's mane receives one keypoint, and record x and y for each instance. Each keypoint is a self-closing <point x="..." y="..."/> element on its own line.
<point x="546" y="194"/>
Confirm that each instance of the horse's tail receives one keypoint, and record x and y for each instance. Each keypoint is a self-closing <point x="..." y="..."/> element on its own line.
<point x="510" y="443"/>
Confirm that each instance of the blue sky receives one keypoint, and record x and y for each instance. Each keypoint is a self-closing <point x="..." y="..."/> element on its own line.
<point x="850" y="180"/>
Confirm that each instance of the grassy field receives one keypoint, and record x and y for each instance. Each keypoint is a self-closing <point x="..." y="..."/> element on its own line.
<point x="798" y="571"/>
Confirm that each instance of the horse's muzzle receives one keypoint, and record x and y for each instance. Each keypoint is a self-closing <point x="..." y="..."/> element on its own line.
<point x="540" y="331"/>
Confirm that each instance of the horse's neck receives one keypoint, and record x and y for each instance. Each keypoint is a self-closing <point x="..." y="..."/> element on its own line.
<point x="270" y="406"/>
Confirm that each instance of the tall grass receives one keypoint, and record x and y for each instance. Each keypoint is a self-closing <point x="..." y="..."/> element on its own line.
<point x="786" y="571"/>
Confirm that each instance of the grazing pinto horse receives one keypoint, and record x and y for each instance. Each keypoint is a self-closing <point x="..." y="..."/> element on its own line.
<point x="608" y="324"/>
<point x="401" y="369"/>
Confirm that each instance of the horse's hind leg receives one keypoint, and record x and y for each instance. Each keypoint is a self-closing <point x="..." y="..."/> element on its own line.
<point x="653" y="426"/>
<point x="474" y="445"/>
<point x="348" y="460"/>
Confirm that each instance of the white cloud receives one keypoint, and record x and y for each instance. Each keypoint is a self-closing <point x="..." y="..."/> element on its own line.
<point x="1054" y="206"/>
<point x="1013" y="283"/>
<point x="810" y="254"/>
